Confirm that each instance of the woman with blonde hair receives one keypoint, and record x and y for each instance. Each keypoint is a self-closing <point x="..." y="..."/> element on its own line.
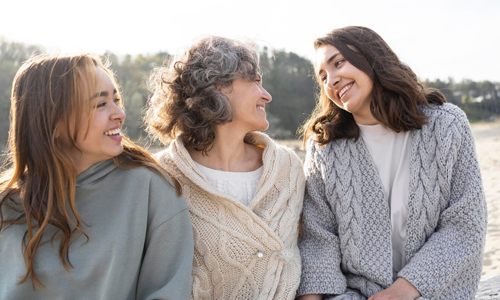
<point x="244" y="191"/>
<point x="394" y="205"/>
<point x="84" y="212"/>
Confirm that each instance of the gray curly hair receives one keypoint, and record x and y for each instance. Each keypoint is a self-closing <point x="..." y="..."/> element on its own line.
<point x="186" y="97"/>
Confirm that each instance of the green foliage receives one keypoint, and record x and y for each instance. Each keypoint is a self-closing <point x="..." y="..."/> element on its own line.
<point x="287" y="76"/>
<point x="132" y="74"/>
<point x="480" y="100"/>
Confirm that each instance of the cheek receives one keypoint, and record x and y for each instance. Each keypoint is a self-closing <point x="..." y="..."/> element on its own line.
<point x="328" y="92"/>
<point x="331" y="95"/>
<point x="87" y="130"/>
<point x="368" y="84"/>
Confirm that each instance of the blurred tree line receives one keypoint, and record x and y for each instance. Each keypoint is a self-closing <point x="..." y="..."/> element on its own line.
<point x="287" y="76"/>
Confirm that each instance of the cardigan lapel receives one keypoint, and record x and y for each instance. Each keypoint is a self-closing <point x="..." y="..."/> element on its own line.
<point x="271" y="167"/>
<point x="183" y="165"/>
<point x="363" y="212"/>
<point x="425" y="192"/>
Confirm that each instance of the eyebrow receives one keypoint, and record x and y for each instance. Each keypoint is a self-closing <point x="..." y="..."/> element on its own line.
<point x="329" y="61"/>
<point x="103" y="94"/>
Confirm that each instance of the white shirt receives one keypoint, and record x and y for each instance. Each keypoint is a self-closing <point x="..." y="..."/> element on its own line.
<point x="240" y="186"/>
<point x="390" y="152"/>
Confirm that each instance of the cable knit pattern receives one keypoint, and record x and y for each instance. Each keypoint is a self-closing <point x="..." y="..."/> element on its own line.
<point x="345" y="240"/>
<point x="244" y="252"/>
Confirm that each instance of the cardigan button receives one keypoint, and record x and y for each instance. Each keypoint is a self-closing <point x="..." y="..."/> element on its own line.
<point x="286" y="255"/>
<point x="260" y="255"/>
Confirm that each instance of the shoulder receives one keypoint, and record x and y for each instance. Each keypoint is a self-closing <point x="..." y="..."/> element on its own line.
<point x="445" y="122"/>
<point x="288" y="152"/>
<point x="447" y="128"/>
<point x="275" y="148"/>
<point x="156" y="179"/>
<point x="12" y="207"/>
<point x="164" y="201"/>
<point x="315" y="149"/>
<point x="445" y="114"/>
<point x="162" y="156"/>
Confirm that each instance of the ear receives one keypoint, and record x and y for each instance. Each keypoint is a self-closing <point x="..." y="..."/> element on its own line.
<point x="57" y="131"/>
<point x="225" y="89"/>
<point x="60" y="132"/>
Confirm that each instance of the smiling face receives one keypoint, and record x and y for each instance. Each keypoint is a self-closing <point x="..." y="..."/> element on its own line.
<point x="344" y="84"/>
<point x="99" y="138"/>
<point x="248" y="102"/>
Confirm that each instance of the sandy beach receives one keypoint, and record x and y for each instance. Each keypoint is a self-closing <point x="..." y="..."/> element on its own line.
<point x="487" y="137"/>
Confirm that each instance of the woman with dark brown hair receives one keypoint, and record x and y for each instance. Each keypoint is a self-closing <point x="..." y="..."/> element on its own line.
<point x="244" y="191"/>
<point x="394" y="205"/>
<point x="84" y="212"/>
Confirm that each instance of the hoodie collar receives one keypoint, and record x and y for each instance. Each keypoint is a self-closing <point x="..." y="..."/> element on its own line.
<point x="96" y="172"/>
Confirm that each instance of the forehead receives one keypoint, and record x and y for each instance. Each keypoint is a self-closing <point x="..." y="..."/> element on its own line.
<point x="100" y="84"/>
<point x="323" y="54"/>
<point x="103" y="80"/>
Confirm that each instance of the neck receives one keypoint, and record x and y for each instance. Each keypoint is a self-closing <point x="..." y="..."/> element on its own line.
<point x="229" y="152"/>
<point x="368" y="119"/>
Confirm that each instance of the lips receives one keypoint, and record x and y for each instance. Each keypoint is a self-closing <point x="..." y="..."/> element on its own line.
<point x="345" y="89"/>
<point x="261" y="108"/>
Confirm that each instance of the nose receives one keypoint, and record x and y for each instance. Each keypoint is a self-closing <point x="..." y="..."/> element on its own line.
<point x="333" y="80"/>
<point x="266" y="96"/>
<point x="118" y="114"/>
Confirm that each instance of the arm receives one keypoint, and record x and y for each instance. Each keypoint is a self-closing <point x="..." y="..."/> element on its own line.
<point x="168" y="251"/>
<point x="318" y="242"/>
<point x="451" y="258"/>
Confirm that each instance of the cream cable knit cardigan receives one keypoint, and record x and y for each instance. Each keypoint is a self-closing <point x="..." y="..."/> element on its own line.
<point x="346" y="230"/>
<point x="244" y="252"/>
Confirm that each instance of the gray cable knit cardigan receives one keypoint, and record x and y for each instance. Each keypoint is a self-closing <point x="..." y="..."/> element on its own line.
<point x="345" y="237"/>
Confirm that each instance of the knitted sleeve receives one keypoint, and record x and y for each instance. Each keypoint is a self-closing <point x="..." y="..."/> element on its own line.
<point x="318" y="238"/>
<point x="450" y="261"/>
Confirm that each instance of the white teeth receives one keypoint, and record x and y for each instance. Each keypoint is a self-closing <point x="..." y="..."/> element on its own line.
<point x="261" y="108"/>
<point x="113" y="132"/>
<point x="345" y="89"/>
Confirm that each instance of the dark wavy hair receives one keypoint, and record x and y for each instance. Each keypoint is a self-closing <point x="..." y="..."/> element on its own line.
<point x="49" y="95"/>
<point x="186" y="97"/>
<point x="398" y="96"/>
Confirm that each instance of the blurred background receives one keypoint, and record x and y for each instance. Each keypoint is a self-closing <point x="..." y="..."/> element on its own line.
<point x="451" y="45"/>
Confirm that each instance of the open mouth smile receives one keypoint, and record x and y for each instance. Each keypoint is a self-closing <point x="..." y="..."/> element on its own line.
<point x="345" y="89"/>
<point x="116" y="131"/>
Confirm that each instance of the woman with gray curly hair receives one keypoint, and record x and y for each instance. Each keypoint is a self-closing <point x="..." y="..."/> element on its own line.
<point x="244" y="191"/>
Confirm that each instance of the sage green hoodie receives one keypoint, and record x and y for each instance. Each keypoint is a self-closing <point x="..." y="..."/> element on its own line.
<point x="140" y="243"/>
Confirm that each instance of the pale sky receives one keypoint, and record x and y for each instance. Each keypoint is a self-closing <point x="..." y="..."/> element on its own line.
<point x="436" y="38"/>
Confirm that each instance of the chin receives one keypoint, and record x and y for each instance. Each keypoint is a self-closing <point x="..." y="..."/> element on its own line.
<point x="263" y="127"/>
<point x="116" y="153"/>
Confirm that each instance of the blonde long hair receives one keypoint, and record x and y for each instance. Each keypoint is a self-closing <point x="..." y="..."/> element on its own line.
<point x="49" y="96"/>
